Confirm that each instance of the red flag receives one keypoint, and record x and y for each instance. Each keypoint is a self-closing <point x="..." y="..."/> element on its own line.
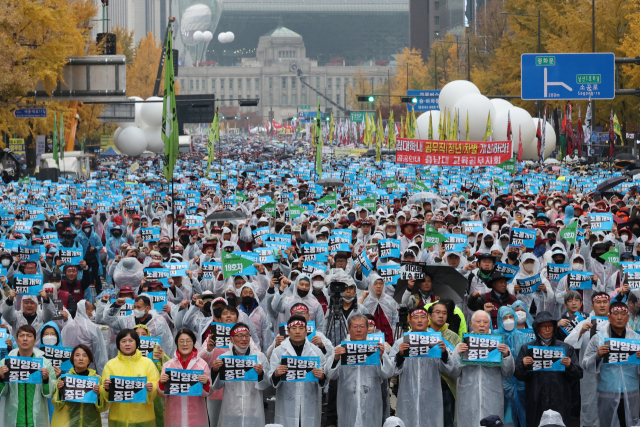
<point x="580" y="134"/>
<point x="570" y="141"/>
<point x="539" y="138"/>
<point x="509" y="133"/>
<point x="612" y="135"/>
<point x="520" y="144"/>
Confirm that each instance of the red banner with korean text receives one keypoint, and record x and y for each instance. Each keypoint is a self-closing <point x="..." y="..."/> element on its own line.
<point x="453" y="153"/>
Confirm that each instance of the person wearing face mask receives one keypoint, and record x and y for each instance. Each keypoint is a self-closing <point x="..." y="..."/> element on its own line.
<point x="349" y="306"/>
<point x="547" y="390"/>
<point x="419" y="292"/>
<point x="529" y="268"/>
<point x="390" y="230"/>
<point x="514" y="390"/>
<point x="142" y="314"/>
<point x="83" y="330"/>
<point x="285" y="298"/>
<point x="115" y="239"/>
<point x="259" y="318"/>
<point x="319" y="290"/>
<point x="487" y="243"/>
<point x="382" y="306"/>
<point x="242" y="401"/>
<point x="576" y="263"/>
<point x="478" y="278"/>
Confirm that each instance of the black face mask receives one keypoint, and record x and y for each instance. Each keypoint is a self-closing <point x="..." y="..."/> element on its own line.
<point x="555" y="261"/>
<point x="231" y="300"/>
<point x="636" y="232"/>
<point x="302" y="293"/>
<point x="184" y="238"/>
<point x="247" y="301"/>
<point x="217" y="312"/>
<point x="278" y="227"/>
<point x="164" y="250"/>
<point x="488" y="243"/>
<point x="552" y="242"/>
<point x="486" y="272"/>
<point x="598" y="258"/>
<point x="512" y="256"/>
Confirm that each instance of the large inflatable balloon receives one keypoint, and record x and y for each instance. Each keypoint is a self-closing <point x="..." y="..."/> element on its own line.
<point x="520" y="120"/>
<point x="501" y="105"/>
<point x="132" y="141"/>
<point x="422" y="124"/>
<point x="116" y="134"/>
<point x="154" y="139"/>
<point x="453" y="91"/>
<point x="478" y="106"/>
<point x="530" y="150"/>
<point x="151" y="111"/>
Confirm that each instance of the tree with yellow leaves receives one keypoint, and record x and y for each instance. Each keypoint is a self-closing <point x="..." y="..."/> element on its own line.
<point x="411" y="74"/>
<point x="361" y="86"/>
<point x="142" y="72"/>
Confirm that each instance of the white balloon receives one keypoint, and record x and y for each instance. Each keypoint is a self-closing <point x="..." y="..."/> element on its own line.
<point x="478" y="106"/>
<point x="151" y="112"/>
<point x="132" y="141"/>
<point x="221" y="37"/>
<point x="422" y="125"/>
<point x="116" y="134"/>
<point x="520" y="120"/>
<point x="530" y="151"/>
<point x="501" y="105"/>
<point x="453" y="91"/>
<point x="198" y="36"/>
<point x="154" y="139"/>
<point x="230" y="37"/>
<point x="137" y="107"/>
<point x="208" y="36"/>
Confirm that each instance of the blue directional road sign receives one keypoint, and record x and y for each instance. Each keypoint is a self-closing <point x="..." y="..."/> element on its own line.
<point x="568" y="76"/>
<point x="427" y="100"/>
<point x="301" y="114"/>
<point x="30" y="113"/>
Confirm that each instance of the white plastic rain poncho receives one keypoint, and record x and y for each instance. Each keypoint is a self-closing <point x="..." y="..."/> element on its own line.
<point x="614" y="381"/>
<point x="385" y="303"/>
<point x="15" y="319"/>
<point x="259" y="319"/>
<point x="81" y="330"/>
<point x="10" y="399"/>
<point x="539" y="296"/>
<point x="297" y="403"/>
<point x="195" y="320"/>
<point x="282" y="303"/>
<point x="158" y="327"/>
<point x="128" y="272"/>
<point x="418" y="404"/>
<point x="242" y="400"/>
<point x="393" y="422"/>
<point x="480" y="389"/>
<point x="586" y="294"/>
<point x="551" y="304"/>
<point x="551" y="418"/>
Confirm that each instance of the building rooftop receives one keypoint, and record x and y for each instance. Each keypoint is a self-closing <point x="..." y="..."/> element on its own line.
<point x="282" y="32"/>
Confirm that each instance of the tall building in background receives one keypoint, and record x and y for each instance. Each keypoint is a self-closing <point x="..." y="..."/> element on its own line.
<point x="424" y="24"/>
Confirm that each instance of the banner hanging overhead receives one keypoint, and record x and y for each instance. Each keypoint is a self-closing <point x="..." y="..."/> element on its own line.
<point x="453" y="153"/>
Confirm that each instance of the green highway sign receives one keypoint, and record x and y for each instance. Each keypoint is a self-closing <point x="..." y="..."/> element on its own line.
<point x="305" y="107"/>
<point x="358" y="116"/>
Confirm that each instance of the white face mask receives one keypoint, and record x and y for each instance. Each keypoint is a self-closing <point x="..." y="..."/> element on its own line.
<point x="577" y="267"/>
<point x="139" y="313"/>
<point x="528" y="267"/>
<point x="92" y="317"/>
<point x="49" y="340"/>
<point x="6" y="262"/>
<point x="495" y="227"/>
<point x="240" y="349"/>
<point x="509" y="324"/>
<point x="624" y="238"/>
<point x="86" y="230"/>
<point x="317" y="284"/>
<point x="348" y="300"/>
<point x="522" y="316"/>
<point x="471" y="239"/>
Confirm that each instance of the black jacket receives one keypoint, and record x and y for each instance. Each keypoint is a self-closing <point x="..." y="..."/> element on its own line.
<point x="547" y="390"/>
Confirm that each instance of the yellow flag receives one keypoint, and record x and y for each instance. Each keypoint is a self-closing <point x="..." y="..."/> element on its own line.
<point x="616" y="128"/>
<point x="443" y="133"/>
<point x="467" y="128"/>
<point x="402" y="134"/>
<point x="454" y="130"/>
<point x="488" y="132"/>
<point x="430" y="135"/>
<point x="440" y="133"/>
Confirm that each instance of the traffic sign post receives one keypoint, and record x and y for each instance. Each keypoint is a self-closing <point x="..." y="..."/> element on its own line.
<point x="358" y="116"/>
<point x="567" y="76"/>
<point x="427" y="100"/>
<point x="301" y="114"/>
<point x="30" y="113"/>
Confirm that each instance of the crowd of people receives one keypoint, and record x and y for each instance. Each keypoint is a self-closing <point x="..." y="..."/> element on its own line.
<point x="376" y="294"/>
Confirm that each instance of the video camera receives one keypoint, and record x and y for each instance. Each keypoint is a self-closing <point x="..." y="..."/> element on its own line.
<point x="337" y="287"/>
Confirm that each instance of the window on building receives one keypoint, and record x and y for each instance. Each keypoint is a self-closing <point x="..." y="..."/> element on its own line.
<point x="371" y="83"/>
<point x="182" y="83"/>
<point x="436" y="5"/>
<point x="284" y="99"/>
<point x="256" y="84"/>
<point x="329" y="81"/>
<point x="270" y="82"/>
<point x="197" y="85"/>
<point x="303" y="98"/>
<point x="213" y="84"/>
<point x="191" y="84"/>
<point x="239" y="84"/>
<point x="231" y="84"/>
<point x="346" y="81"/>
<point x="204" y="85"/>
<point x="338" y="99"/>
<point x="248" y="85"/>
<point x="293" y="82"/>
<point x="221" y="83"/>
<point x="437" y="20"/>
<point x="284" y="83"/>
<point x="317" y="82"/>
<point x="294" y="99"/>
<point x="338" y="82"/>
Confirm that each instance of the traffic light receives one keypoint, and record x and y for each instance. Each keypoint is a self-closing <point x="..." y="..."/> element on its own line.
<point x="327" y="118"/>
<point x="235" y="117"/>
<point x="247" y="117"/>
<point x="366" y="98"/>
<point x="409" y="100"/>
<point x="222" y="117"/>
<point x="371" y="98"/>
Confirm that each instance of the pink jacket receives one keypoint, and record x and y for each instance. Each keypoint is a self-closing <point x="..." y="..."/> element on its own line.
<point x="187" y="411"/>
<point x="209" y="359"/>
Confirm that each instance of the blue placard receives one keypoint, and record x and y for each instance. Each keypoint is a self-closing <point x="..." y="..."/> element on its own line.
<point x="151" y="234"/>
<point x="574" y="322"/>
<point x="472" y="226"/>
<point x="390" y="273"/>
<point x="158" y="274"/>
<point x="528" y="332"/>
<point x="579" y="280"/>
<point x="30" y="253"/>
<point x="238" y="368"/>
<point x="376" y="336"/>
<point x="529" y="285"/>
<point x="482" y="348"/>
<point x="555" y="272"/>
<point x="158" y="300"/>
<point x="76" y="389"/>
<point x="546" y="358"/>
<point x="523" y="236"/>
<point x="262" y="233"/>
<point x="622" y="351"/>
<point x="24" y="370"/>
<point x="177" y="269"/>
<point x="70" y="256"/>
<point x="23" y="226"/>
<point x="558" y="76"/>
<point x="50" y="238"/>
<point x="360" y="353"/>
<point x="455" y="242"/>
<point x="388" y="248"/>
<point x="364" y="262"/>
<point x="423" y="344"/>
<point x="28" y="284"/>
<point x="147" y="344"/>
<point x="600" y="221"/>
<point x="507" y="269"/>
<point x="58" y="356"/>
<point x="183" y="382"/>
<point x="265" y="255"/>
<point x="315" y="251"/>
<point x="300" y="368"/>
<point x="128" y="389"/>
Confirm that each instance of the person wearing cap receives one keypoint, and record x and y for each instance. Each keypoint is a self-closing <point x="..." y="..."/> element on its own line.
<point x="480" y="388"/>
<point x="300" y="292"/>
<point x="381" y="305"/>
<point x="418" y="405"/>
<point x="547" y="390"/>
<point x="249" y="304"/>
<point x="577" y="263"/>
<point x="530" y="267"/>
<point x="91" y="247"/>
<point x="71" y="285"/>
<point x="30" y="313"/>
<point x="491" y="301"/>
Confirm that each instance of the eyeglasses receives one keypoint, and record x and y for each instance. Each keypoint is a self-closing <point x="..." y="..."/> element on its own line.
<point x="242" y="336"/>
<point x="185" y="342"/>
<point x="359" y="326"/>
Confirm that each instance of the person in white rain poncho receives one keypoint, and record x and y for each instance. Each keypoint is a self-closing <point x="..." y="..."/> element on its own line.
<point x="242" y="401"/>
<point x="618" y="396"/>
<point x="31" y="313"/>
<point x="359" y="393"/>
<point x="128" y="272"/>
<point x="82" y="330"/>
<point x="297" y="403"/>
<point x="480" y="388"/>
<point x="381" y="306"/>
<point x="142" y="314"/>
<point x="283" y="300"/>
<point x="419" y="405"/>
<point x="576" y="263"/>
<point x="530" y="267"/>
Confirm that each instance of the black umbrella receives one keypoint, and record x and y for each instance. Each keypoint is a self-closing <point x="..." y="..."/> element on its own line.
<point x="330" y="182"/>
<point x="226" y="215"/>
<point x="624" y="160"/>
<point x="447" y="283"/>
<point x="612" y="182"/>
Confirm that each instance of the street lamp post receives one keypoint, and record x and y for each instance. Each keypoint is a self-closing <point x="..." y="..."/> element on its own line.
<point x="539" y="45"/>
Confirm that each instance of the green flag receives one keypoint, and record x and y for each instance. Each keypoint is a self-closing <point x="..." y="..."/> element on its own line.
<point x="330" y="199"/>
<point x="432" y="237"/>
<point x="54" y="141"/>
<point x="390" y="183"/>
<point x="214" y="134"/>
<point x="391" y="138"/>
<point x="269" y="208"/>
<point x="570" y="232"/>
<point x="295" y="210"/>
<point x="498" y="183"/>
<point x="61" y="141"/>
<point x="169" y="113"/>
<point x="613" y="256"/>
<point x="318" y="140"/>
<point x="419" y="186"/>
<point x="563" y="147"/>
<point x="368" y="203"/>
<point x="239" y="196"/>
<point x="508" y="165"/>
<point x="234" y="264"/>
